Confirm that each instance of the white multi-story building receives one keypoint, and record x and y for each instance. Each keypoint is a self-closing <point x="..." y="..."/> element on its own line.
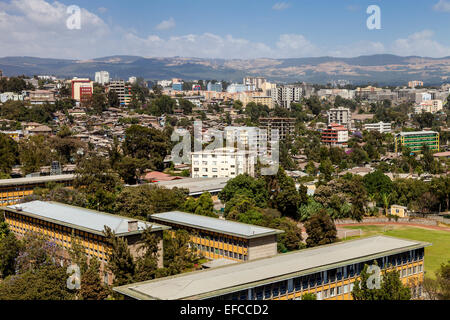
<point x="423" y="96"/>
<point x="431" y="106"/>
<point x="256" y="82"/>
<point x="342" y="116"/>
<point x="102" y="77"/>
<point x="285" y="95"/>
<point x="381" y="127"/>
<point x="132" y="80"/>
<point x="223" y="163"/>
<point x="164" y="83"/>
<point x="248" y="138"/>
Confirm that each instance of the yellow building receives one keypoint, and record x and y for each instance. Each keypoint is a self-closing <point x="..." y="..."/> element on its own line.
<point x="399" y="211"/>
<point x="327" y="271"/>
<point x="14" y="190"/>
<point x="58" y="222"/>
<point x="222" y="239"/>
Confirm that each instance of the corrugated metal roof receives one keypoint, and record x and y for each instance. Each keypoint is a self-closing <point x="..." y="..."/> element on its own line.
<point x="43" y="179"/>
<point x="208" y="283"/>
<point x="79" y="217"/>
<point x="214" y="224"/>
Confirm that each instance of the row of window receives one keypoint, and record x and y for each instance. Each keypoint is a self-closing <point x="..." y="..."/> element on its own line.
<point x="221" y="252"/>
<point x="222" y="239"/>
<point x="308" y="282"/>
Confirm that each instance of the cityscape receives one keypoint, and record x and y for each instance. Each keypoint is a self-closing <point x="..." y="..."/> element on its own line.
<point x="245" y="178"/>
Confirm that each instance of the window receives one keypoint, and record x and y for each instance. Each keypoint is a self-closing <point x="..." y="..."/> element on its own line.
<point x="332" y="292"/>
<point x="404" y="273"/>
<point x="346" y="288"/>
<point x="325" y="294"/>
<point x="339" y="290"/>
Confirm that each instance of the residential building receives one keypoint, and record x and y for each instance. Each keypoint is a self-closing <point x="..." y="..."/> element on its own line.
<point x="123" y="91"/>
<point x="14" y="190"/>
<point x="10" y="96"/>
<point x="285" y="95"/>
<point x="60" y="222"/>
<point x="262" y="100"/>
<point x="41" y="97"/>
<point x="249" y="138"/>
<point x="223" y="163"/>
<point x="255" y="82"/>
<point x="237" y="88"/>
<point x="341" y="116"/>
<point x="381" y="127"/>
<point x="328" y="271"/>
<point x="102" y="77"/>
<point x="399" y="211"/>
<point x="335" y="135"/>
<point x="423" y="96"/>
<point x="217" y="87"/>
<point x="222" y="239"/>
<point x="285" y="126"/>
<point x="82" y="89"/>
<point x="415" y="140"/>
<point x="415" y="83"/>
<point x="431" y="106"/>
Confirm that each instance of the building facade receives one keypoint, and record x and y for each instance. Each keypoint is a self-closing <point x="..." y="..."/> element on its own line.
<point x="416" y="140"/>
<point x="223" y="163"/>
<point x="123" y="91"/>
<point x="59" y="223"/>
<point x="381" y="127"/>
<point x="285" y="126"/>
<point x="335" y="136"/>
<point x="216" y="87"/>
<point x="431" y="106"/>
<point x="284" y="96"/>
<point x="82" y="89"/>
<point x="328" y="271"/>
<point x="214" y="238"/>
<point x="342" y="116"/>
<point x="102" y="77"/>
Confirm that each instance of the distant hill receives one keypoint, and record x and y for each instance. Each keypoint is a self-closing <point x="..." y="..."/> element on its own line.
<point x="382" y="69"/>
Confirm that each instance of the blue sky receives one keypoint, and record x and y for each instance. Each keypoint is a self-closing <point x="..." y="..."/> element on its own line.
<point x="225" y="29"/>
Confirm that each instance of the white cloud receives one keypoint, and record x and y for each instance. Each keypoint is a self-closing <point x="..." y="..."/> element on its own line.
<point x="102" y="10"/>
<point x="166" y="24"/>
<point x="442" y="5"/>
<point x="281" y="6"/>
<point x="420" y="44"/>
<point x="296" y="45"/>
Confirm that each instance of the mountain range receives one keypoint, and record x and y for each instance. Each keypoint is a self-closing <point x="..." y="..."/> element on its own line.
<point x="381" y="69"/>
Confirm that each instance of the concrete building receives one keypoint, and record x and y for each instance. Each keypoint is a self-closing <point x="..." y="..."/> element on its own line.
<point x="381" y="127"/>
<point x="41" y="96"/>
<point x="82" y="89"/>
<point x="262" y="100"/>
<point x="250" y="138"/>
<point x="285" y="95"/>
<point x="216" y="87"/>
<point x="222" y="239"/>
<point x="399" y="211"/>
<point x="223" y="163"/>
<point x="431" y="106"/>
<point x="14" y="190"/>
<point x="58" y="222"/>
<point x="102" y="77"/>
<point x="285" y="126"/>
<point x="415" y="83"/>
<point x="415" y="141"/>
<point x="238" y="87"/>
<point x="256" y="82"/>
<point x="123" y="91"/>
<point x="341" y="116"/>
<point x="328" y="271"/>
<point x="335" y="135"/>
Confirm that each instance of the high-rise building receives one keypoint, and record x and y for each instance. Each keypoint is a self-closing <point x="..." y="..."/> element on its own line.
<point x="256" y="82"/>
<point x="102" y="77"/>
<point x="285" y="95"/>
<point x="82" y="89"/>
<point x="217" y="87"/>
<point x="123" y="91"/>
<point x="285" y="126"/>
<point x="342" y="116"/>
<point x="415" y="141"/>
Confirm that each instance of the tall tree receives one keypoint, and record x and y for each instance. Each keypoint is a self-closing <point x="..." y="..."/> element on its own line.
<point x="320" y="229"/>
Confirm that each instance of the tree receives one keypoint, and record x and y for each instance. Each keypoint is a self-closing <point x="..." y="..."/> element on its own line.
<point x="439" y="288"/>
<point x="9" y="251"/>
<point x="309" y="296"/>
<point x="91" y="284"/>
<point x="326" y="170"/>
<point x="320" y="229"/>
<point x="120" y="260"/>
<point x="246" y="185"/>
<point x="203" y="206"/>
<point x="8" y="154"/>
<point x="147" y="264"/>
<point x="391" y="287"/>
<point x="291" y="239"/>
<point x="34" y="153"/>
<point x="179" y="253"/>
<point x="113" y="99"/>
<point x="377" y="183"/>
<point x="131" y="169"/>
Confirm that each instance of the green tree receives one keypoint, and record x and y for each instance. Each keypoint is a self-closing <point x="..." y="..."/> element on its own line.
<point x="34" y="153"/>
<point x="8" y="154"/>
<point x="91" y="285"/>
<point x="179" y="252"/>
<point x="246" y="185"/>
<point x="320" y="229"/>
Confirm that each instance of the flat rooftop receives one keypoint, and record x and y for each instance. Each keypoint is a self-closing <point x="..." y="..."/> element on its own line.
<point x="214" y="282"/>
<point x="413" y="133"/>
<point x="196" y="186"/>
<point x="236" y="229"/>
<point x="80" y="218"/>
<point x="33" y="180"/>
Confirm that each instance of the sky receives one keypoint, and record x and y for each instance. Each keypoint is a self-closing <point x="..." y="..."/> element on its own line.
<point x="232" y="29"/>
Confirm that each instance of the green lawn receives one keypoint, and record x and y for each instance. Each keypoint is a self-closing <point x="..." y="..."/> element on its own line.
<point x="435" y="255"/>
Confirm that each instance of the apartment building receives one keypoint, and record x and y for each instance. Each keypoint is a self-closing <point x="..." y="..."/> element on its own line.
<point x="216" y="87"/>
<point x="285" y="95"/>
<point x="223" y="163"/>
<point x="41" y="97"/>
<point x="102" y="77"/>
<point x="82" y="89"/>
<point x="328" y="271"/>
<point x="249" y="138"/>
<point x="222" y="239"/>
<point x="335" y="135"/>
<point x="256" y="82"/>
<point x="381" y="127"/>
<point x="58" y="222"/>
<point x="341" y="116"/>
<point x="415" y="140"/>
<point x="123" y="91"/>
<point x="285" y="126"/>
<point x="415" y="83"/>
<point x="431" y="106"/>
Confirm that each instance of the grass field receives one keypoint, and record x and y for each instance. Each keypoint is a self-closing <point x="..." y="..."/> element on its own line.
<point x="435" y="255"/>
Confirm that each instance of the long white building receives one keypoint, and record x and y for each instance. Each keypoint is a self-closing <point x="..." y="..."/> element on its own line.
<point x="222" y="163"/>
<point x="381" y="127"/>
<point x="102" y="77"/>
